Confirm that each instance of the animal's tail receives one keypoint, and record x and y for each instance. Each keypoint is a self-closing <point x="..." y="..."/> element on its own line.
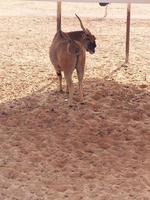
<point x="58" y="15"/>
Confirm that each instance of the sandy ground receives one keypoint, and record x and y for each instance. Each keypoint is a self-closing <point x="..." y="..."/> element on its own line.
<point x="96" y="151"/>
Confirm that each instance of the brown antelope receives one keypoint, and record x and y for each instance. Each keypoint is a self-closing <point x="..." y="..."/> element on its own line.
<point x="68" y="52"/>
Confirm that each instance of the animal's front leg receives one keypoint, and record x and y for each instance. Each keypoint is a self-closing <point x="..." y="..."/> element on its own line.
<point x="81" y="91"/>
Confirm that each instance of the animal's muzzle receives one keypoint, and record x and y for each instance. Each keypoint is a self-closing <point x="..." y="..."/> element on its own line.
<point x="91" y="47"/>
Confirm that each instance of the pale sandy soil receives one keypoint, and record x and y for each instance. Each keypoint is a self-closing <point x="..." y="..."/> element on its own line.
<point x="47" y="8"/>
<point x="96" y="151"/>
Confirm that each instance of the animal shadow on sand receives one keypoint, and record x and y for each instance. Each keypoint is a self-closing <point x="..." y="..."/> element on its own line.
<point x="44" y="141"/>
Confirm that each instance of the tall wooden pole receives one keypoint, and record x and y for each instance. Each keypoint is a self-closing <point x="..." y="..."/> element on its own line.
<point x="128" y="33"/>
<point x="58" y="15"/>
<point x="106" y="8"/>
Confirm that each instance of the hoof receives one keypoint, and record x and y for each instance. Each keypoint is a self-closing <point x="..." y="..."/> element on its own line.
<point x="82" y="103"/>
<point x="61" y="91"/>
<point x="67" y="91"/>
<point x="70" y="104"/>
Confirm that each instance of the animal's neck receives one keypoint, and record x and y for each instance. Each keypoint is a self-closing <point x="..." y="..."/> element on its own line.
<point x="76" y="35"/>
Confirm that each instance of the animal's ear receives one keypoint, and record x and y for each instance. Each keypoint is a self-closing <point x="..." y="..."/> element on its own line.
<point x="73" y="49"/>
<point x="86" y="34"/>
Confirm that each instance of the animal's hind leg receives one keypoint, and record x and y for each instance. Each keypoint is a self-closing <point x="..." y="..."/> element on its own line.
<point x="68" y="78"/>
<point x="80" y="74"/>
<point x="60" y="80"/>
<point x="67" y="90"/>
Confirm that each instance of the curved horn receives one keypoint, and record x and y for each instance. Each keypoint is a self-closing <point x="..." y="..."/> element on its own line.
<point x="80" y="22"/>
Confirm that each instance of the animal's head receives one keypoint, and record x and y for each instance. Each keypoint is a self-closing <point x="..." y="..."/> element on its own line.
<point x="89" y="40"/>
<point x="72" y="46"/>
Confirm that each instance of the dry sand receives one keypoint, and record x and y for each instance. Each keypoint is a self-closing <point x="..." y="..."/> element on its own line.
<point x="96" y="151"/>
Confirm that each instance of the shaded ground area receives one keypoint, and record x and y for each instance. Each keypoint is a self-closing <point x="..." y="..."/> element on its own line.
<point x="99" y="150"/>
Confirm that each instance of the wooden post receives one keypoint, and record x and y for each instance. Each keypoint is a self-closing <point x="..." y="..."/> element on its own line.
<point x="58" y="15"/>
<point x="106" y="11"/>
<point x="128" y="33"/>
